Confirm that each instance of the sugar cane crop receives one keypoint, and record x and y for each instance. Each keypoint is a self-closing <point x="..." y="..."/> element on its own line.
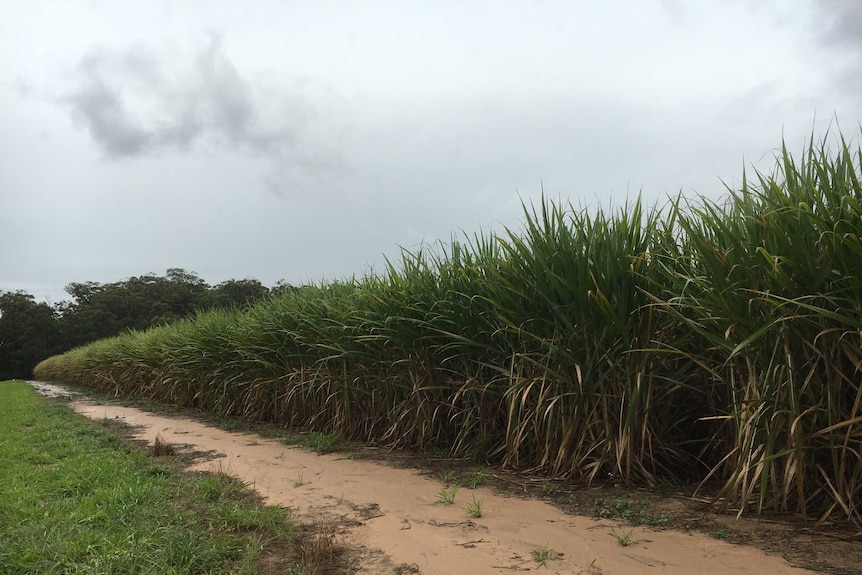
<point x="700" y="341"/>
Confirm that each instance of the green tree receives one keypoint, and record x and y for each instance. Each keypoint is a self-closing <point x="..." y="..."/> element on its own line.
<point x="29" y="333"/>
<point x="238" y="293"/>
<point x="138" y="303"/>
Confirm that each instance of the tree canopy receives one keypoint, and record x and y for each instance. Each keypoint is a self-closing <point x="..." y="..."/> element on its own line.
<point x="31" y="331"/>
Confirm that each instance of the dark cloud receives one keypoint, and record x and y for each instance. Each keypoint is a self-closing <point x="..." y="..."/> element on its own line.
<point x="842" y="23"/>
<point x="135" y="102"/>
<point x="839" y="28"/>
<point x="102" y="110"/>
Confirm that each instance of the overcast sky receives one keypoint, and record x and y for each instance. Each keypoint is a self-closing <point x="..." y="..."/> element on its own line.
<point x="306" y="140"/>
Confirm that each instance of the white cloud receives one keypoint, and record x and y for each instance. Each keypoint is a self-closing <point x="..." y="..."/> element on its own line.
<point x="379" y="124"/>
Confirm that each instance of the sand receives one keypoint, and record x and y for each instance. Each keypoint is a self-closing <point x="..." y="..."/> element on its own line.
<point x="392" y="517"/>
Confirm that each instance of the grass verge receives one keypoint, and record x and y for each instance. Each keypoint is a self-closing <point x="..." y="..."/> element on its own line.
<point x="74" y="498"/>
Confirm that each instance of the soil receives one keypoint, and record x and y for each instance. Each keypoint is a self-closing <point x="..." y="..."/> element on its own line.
<point x="385" y="508"/>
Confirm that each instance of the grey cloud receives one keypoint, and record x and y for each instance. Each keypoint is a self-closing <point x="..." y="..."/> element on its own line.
<point x="135" y="102"/>
<point x="23" y="87"/>
<point x="109" y="123"/>
<point x="842" y="23"/>
<point x="839" y="27"/>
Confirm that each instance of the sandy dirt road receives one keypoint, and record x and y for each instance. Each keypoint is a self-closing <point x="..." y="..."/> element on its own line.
<point x="393" y="518"/>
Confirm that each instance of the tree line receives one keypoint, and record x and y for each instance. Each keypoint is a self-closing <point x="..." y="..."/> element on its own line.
<point x="31" y="331"/>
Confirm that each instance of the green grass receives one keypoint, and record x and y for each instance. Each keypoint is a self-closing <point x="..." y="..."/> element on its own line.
<point x="477" y="479"/>
<point x="474" y="508"/>
<point x="75" y="499"/>
<point x="447" y="496"/>
<point x="626" y="539"/>
<point x="544" y="554"/>
<point x="446" y="476"/>
<point x="549" y="488"/>
<point x="699" y="341"/>
<point x="636" y="512"/>
<point x="320" y="443"/>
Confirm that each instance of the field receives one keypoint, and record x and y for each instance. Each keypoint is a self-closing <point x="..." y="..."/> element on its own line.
<point x="75" y="498"/>
<point x="700" y="341"/>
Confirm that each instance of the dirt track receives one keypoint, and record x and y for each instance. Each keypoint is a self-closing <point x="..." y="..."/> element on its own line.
<point x="393" y="518"/>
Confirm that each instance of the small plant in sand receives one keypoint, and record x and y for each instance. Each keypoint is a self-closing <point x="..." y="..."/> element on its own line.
<point x="474" y="508"/>
<point x="447" y="496"/>
<point x="298" y="482"/>
<point x="544" y="554"/>
<point x="626" y="539"/>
